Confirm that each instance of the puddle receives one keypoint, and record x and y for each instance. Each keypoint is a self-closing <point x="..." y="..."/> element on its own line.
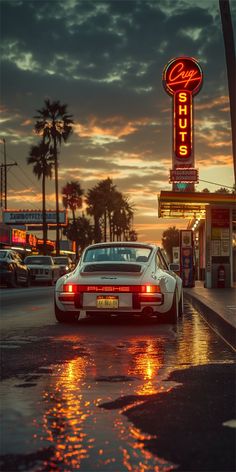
<point x="73" y="411"/>
<point x="69" y="421"/>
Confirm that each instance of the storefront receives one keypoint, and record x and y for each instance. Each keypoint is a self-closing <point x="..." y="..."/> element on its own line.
<point x="212" y="218"/>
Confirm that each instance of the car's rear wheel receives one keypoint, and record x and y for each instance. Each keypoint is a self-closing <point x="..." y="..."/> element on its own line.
<point x="65" y="316"/>
<point x="27" y="282"/>
<point x="13" y="281"/>
<point x="172" y="315"/>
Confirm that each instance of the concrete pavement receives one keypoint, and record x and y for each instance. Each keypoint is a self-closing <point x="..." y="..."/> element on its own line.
<point x="217" y="306"/>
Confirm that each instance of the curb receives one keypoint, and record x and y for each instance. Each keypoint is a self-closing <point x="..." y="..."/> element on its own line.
<point x="220" y="325"/>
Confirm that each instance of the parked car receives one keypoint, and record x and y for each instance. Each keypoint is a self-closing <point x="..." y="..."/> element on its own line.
<point x="42" y="269"/>
<point x="13" y="271"/>
<point x="120" y="278"/>
<point x="65" y="264"/>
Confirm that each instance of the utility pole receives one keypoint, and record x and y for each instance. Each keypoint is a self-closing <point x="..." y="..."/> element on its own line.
<point x="3" y="168"/>
<point x="3" y="177"/>
<point x="228" y="35"/>
<point x="5" y="172"/>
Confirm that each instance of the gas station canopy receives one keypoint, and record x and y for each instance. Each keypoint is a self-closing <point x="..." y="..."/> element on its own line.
<point x="190" y="205"/>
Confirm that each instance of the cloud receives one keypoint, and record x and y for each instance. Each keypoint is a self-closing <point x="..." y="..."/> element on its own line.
<point x="105" y="60"/>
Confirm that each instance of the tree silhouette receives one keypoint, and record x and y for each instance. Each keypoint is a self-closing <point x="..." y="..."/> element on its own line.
<point x="112" y="213"/>
<point x="170" y="239"/>
<point x="80" y="231"/>
<point x="41" y="157"/>
<point x="72" y="199"/>
<point x="55" y="125"/>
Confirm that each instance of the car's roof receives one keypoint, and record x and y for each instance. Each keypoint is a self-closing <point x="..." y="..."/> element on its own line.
<point x="9" y="250"/>
<point x="38" y="255"/>
<point x="123" y="243"/>
<point x="60" y="257"/>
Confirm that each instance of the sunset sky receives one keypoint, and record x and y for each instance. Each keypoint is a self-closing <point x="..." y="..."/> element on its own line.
<point x="104" y="59"/>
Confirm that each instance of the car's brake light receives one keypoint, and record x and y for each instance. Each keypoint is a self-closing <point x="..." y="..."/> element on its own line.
<point x="70" y="288"/>
<point x="150" y="289"/>
<point x="75" y="288"/>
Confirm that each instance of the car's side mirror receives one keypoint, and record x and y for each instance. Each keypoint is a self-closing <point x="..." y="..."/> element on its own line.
<point x="174" y="267"/>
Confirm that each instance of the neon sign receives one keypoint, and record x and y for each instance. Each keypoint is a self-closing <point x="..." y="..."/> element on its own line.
<point x="18" y="236"/>
<point x="182" y="73"/>
<point x="182" y="78"/>
<point x="183" y="125"/>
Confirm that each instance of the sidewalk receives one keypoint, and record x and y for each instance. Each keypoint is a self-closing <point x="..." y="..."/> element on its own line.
<point x="217" y="306"/>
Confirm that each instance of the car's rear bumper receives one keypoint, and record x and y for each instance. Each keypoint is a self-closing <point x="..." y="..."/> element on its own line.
<point x="41" y="276"/>
<point x="130" y="304"/>
<point x="5" y="276"/>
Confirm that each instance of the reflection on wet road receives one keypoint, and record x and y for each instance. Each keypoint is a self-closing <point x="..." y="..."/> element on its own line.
<point x="62" y="412"/>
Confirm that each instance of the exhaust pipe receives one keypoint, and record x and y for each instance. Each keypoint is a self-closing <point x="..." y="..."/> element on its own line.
<point x="147" y="311"/>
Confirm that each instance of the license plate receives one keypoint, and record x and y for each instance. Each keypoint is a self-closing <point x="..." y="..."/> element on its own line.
<point x="107" y="302"/>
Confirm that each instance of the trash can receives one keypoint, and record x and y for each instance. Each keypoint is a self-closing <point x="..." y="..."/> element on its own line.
<point x="220" y="272"/>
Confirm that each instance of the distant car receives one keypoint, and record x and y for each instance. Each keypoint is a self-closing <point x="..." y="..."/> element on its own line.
<point x="13" y="271"/>
<point x="120" y="279"/>
<point x="42" y="269"/>
<point x="65" y="264"/>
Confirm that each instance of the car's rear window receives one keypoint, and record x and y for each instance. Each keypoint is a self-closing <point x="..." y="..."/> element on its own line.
<point x="38" y="260"/>
<point x="60" y="260"/>
<point x="114" y="267"/>
<point x="117" y="253"/>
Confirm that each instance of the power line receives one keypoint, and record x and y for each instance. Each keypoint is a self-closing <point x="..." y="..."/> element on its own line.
<point x="16" y="191"/>
<point x="34" y="183"/>
<point x="214" y="183"/>
<point x="23" y="184"/>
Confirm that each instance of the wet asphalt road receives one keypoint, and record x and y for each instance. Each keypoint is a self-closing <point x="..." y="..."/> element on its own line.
<point x="112" y="395"/>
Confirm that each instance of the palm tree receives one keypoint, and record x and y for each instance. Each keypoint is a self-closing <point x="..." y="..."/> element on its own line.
<point x="55" y="125"/>
<point x="80" y="231"/>
<point x="170" y="239"/>
<point x="41" y="158"/>
<point x="72" y="196"/>
<point x="107" y="192"/>
<point x="95" y="208"/>
<point x="107" y="205"/>
<point x="122" y="217"/>
<point x="72" y="199"/>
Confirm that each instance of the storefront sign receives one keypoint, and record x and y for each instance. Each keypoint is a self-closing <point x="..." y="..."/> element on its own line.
<point x="49" y="244"/>
<point x="220" y="231"/>
<point x="28" y="217"/>
<point x="220" y="217"/>
<point x="182" y="78"/>
<point x="184" y="174"/>
<point x="18" y="236"/>
<point x="31" y="239"/>
<point x="181" y="74"/>
<point x="182" y="125"/>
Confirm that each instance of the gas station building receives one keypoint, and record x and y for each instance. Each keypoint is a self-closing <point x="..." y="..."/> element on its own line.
<point x="208" y="247"/>
<point x="212" y="220"/>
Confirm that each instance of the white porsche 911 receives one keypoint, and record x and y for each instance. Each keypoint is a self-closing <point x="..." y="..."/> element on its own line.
<point x="120" y="278"/>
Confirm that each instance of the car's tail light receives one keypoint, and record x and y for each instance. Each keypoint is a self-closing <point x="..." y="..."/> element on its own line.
<point x="68" y="293"/>
<point x="75" y="288"/>
<point x="70" y="288"/>
<point x="150" y="289"/>
<point x="150" y="294"/>
<point x="141" y="293"/>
